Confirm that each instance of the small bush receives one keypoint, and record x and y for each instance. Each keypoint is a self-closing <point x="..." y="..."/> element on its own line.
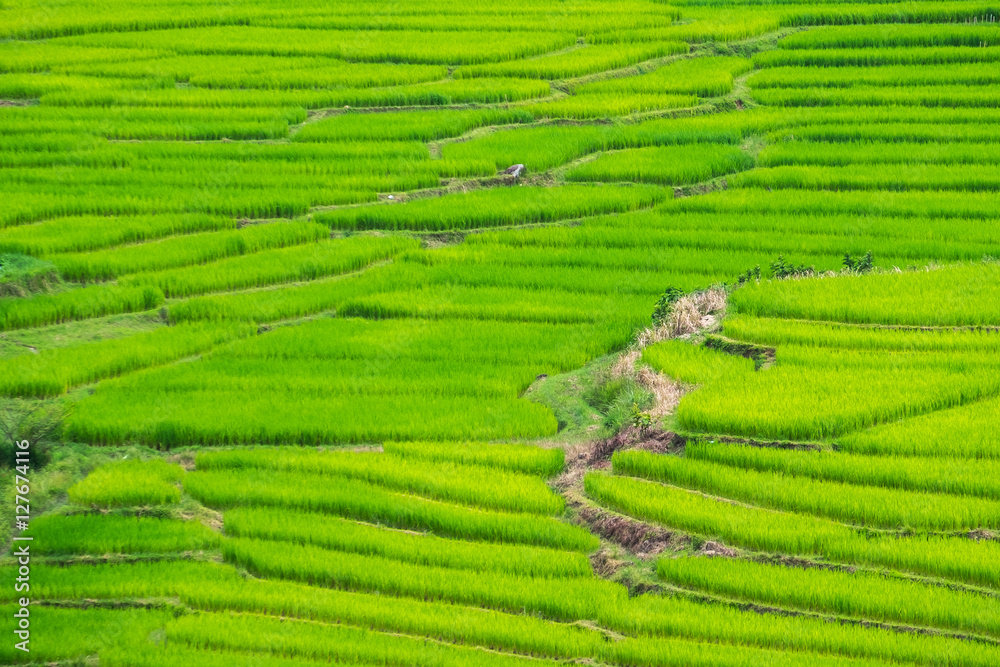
<point x="779" y="269"/>
<point x="665" y="304"/>
<point x="863" y="265"/>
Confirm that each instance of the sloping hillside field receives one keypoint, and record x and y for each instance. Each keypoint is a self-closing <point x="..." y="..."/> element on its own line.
<point x="594" y="332"/>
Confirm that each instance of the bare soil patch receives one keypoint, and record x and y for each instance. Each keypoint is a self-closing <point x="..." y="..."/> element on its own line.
<point x="715" y="549"/>
<point x="642" y="539"/>
<point x="652" y="440"/>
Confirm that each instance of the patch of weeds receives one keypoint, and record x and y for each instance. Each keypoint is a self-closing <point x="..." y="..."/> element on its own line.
<point x="748" y="275"/>
<point x="37" y="421"/>
<point x="69" y="463"/>
<point x="593" y="401"/>
<point x="697" y="542"/>
<point x="779" y="269"/>
<point x="65" y="334"/>
<point x="21" y="275"/>
<point x="642" y="421"/>
<point x="605" y="391"/>
<point x="619" y="399"/>
<point x="566" y="395"/>
<point x="864" y="264"/>
<point x="665" y="304"/>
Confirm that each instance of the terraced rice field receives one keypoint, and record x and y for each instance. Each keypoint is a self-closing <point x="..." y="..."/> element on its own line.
<point x="612" y="333"/>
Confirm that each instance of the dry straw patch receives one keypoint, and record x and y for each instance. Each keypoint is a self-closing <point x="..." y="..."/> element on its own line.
<point x="690" y="314"/>
<point x="666" y="392"/>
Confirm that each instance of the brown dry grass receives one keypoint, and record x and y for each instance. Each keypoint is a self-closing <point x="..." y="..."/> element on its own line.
<point x="667" y="393"/>
<point x="690" y="314"/>
<point x="624" y="365"/>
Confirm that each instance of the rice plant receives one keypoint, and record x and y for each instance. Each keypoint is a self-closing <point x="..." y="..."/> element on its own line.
<point x="606" y="105"/>
<point x="707" y="26"/>
<point x="129" y="482"/>
<point x="117" y="416"/>
<point x="552" y="306"/>
<point x="887" y="75"/>
<point x="814" y="233"/>
<point x="851" y="502"/>
<point x="109" y="581"/>
<point x="268" y="305"/>
<point x="350" y="536"/>
<point x="705" y="77"/>
<point x="812" y="394"/>
<point x="545" y="146"/>
<point x="878" y="152"/>
<point x="937" y="135"/>
<point x="538" y="148"/>
<point x="184" y="250"/>
<point x="178" y="123"/>
<point x="62" y="634"/>
<point x="973" y="477"/>
<point x="147" y="145"/>
<point x="450" y="622"/>
<point x="177" y="655"/>
<point x="366" y="156"/>
<point x="83" y="233"/>
<point x="560" y="598"/>
<point x="438" y="358"/>
<point x="677" y="616"/>
<point x="673" y="165"/>
<point x="644" y="615"/>
<point x="366" y="502"/>
<point x="451" y="91"/>
<point x="876" y="57"/>
<point x="98" y="534"/>
<point x="766" y="530"/>
<point x="576" y="62"/>
<point x="494" y="207"/>
<point x="53" y="372"/>
<point x="404" y="125"/>
<point x="329" y="74"/>
<point x="554" y="276"/>
<point x="776" y="331"/>
<point x="970" y="204"/>
<point x="651" y="255"/>
<point x="871" y="36"/>
<point x="962" y="431"/>
<point x="491" y="489"/>
<point x="215" y="195"/>
<point x="695" y="364"/>
<point x="413" y="46"/>
<point x="310" y="640"/>
<point x="517" y="458"/>
<point x="860" y="95"/>
<point x="77" y="304"/>
<point x="273" y="266"/>
<point x="858" y="595"/>
<point x="961" y="295"/>
<point x="278" y="637"/>
<point x="318" y="377"/>
<point x="899" y="177"/>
